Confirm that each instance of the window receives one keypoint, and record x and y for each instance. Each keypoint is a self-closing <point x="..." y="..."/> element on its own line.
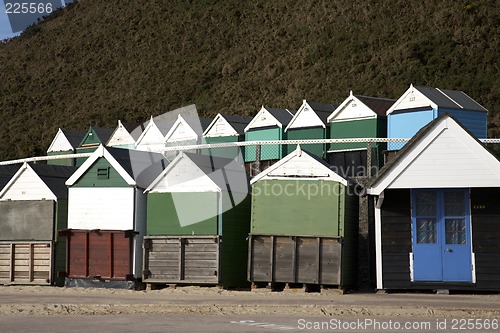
<point x="425" y="212"/>
<point x="103" y="173"/>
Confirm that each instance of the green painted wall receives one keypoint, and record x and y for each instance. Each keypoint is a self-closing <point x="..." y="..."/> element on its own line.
<point x="163" y="219"/>
<point x="308" y="134"/>
<point x="297" y="207"/>
<point x="79" y="161"/>
<point x="234" y="247"/>
<point x="267" y="152"/>
<point x="90" y="138"/>
<point x="363" y="128"/>
<point x="66" y="161"/>
<point x="232" y="152"/>
<point x="91" y="179"/>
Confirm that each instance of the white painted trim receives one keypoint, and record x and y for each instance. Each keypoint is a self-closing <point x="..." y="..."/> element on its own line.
<point x="297" y="114"/>
<point x="297" y="153"/>
<point x="56" y="138"/>
<point x="473" y="258"/>
<point x="378" y="240"/>
<point x="344" y="105"/>
<point x="412" y="275"/>
<point x="130" y="139"/>
<point x="146" y="130"/>
<point x="259" y="114"/>
<point x="100" y="152"/>
<point x="180" y="120"/>
<point x="446" y="123"/>
<point x="346" y="150"/>
<point x="25" y="167"/>
<point x="218" y="118"/>
<point x="403" y="97"/>
<point x="473" y="255"/>
<point x="171" y="167"/>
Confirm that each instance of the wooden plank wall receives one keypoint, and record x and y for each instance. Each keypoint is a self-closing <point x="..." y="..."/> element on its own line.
<point x="181" y="259"/>
<point x="295" y="259"/>
<point x="486" y="237"/>
<point x="26" y="262"/>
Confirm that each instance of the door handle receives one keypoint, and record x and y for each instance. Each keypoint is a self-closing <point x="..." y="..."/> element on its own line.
<point x="449" y="250"/>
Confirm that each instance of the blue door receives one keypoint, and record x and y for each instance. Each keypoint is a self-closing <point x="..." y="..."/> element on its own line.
<point x="441" y="236"/>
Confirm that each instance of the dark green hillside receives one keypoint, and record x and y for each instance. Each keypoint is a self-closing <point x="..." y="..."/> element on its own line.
<point x="103" y="60"/>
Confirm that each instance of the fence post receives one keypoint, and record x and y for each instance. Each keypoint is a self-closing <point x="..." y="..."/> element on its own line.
<point x="256" y="164"/>
<point x="369" y="158"/>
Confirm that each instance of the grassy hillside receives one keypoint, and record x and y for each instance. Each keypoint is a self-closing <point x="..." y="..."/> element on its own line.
<point x="98" y="61"/>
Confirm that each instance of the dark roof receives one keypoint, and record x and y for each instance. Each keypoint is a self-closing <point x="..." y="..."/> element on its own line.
<point x="74" y="137"/>
<point x="130" y="127"/>
<point x="142" y="166"/>
<point x="230" y="168"/>
<point x="238" y="122"/>
<point x="103" y="133"/>
<point x="450" y="99"/>
<point x="6" y="173"/>
<point x="413" y="141"/>
<point x="377" y="105"/>
<point x="323" y="110"/>
<point x="282" y="115"/>
<point x="54" y="176"/>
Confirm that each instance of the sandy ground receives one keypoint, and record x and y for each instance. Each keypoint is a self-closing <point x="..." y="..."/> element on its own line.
<point x="49" y="301"/>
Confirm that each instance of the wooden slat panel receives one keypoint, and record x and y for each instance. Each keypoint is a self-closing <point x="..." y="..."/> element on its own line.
<point x="284" y="259"/>
<point x="307" y="252"/>
<point x="331" y="254"/>
<point x="32" y="265"/>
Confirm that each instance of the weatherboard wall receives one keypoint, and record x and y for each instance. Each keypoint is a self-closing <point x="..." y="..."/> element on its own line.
<point x="227" y="152"/>
<point x="396" y="241"/>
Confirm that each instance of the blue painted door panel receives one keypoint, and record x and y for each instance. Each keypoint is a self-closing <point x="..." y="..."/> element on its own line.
<point x="441" y="236"/>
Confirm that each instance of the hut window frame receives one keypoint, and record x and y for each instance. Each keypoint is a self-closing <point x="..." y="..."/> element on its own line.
<point x="103" y="173"/>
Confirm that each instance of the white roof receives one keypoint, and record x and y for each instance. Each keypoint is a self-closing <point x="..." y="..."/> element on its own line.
<point x="442" y="155"/>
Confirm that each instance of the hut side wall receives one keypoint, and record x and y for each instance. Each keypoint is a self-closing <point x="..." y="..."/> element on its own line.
<point x="234" y="247"/>
<point x="396" y="239"/>
<point x="66" y="161"/>
<point x="486" y="236"/>
<point x="349" y="226"/>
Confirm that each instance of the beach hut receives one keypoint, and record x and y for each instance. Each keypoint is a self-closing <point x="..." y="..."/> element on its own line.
<point x="107" y="216"/>
<point x="198" y="222"/>
<point x="358" y="117"/>
<point x="64" y="143"/>
<point x="420" y="105"/>
<point x="186" y="130"/>
<point x="304" y="224"/>
<point x="309" y="122"/>
<point x="94" y="137"/>
<point x="437" y="213"/>
<point x="153" y="137"/>
<point x="33" y="207"/>
<point x="123" y="136"/>
<point x="225" y="129"/>
<point x="268" y="124"/>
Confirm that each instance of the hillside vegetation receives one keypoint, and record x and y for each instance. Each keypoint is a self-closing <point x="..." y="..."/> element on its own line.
<point x="98" y="61"/>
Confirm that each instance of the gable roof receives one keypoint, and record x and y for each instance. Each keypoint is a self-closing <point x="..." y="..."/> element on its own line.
<point x="161" y="127"/>
<point x="311" y="167"/>
<point x="71" y="138"/>
<point x="376" y="104"/>
<point x="445" y="155"/>
<point x="103" y="135"/>
<point x="137" y="168"/>
<point x="322" y="111"/>
<point x="223" y="172"/>
<point x="238" y="123"/>
<point x="279" y="117"/>
<point x="53" y="176"/>
<point x="442" y="98"/>
<point x="120" y="136"/>
<point x="7" y="172"/>
<point x="197" y="124"/>
<point x="371" y="107"/>
<point x="74" y="137"/>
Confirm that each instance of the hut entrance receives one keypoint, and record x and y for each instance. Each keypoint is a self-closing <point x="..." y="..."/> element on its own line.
<point x="441" y="235"/>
